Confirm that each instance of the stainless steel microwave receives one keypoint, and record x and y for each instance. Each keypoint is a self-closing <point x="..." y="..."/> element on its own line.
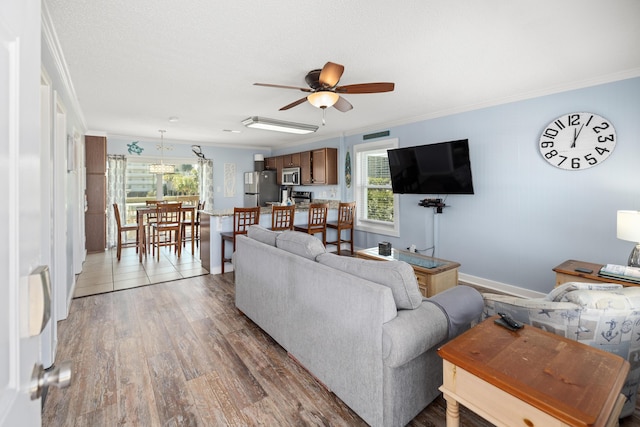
<point x="291" y="176"/>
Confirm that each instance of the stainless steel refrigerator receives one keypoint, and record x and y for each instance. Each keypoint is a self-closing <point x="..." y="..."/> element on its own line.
<point x="260" y="188"/>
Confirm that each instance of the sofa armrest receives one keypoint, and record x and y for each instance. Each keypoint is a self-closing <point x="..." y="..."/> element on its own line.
<point x="411" y="333"/>
<point x="463" y="307"/>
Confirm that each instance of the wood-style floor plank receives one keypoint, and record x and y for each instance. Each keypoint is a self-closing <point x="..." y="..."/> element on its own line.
<point x="180" y="354"/>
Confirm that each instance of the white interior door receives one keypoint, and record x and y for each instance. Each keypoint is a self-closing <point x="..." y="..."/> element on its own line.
<point x="19" y="212"/>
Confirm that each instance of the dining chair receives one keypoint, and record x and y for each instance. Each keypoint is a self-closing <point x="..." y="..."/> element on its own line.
<point x="151" y="218"/>
<point x="166" y="229"/>
<point x="243" y="218"/>
<point x="282" y="217"/>
<point x="186" y="223"/>
<point x="346" y="213"/>
<point x="317" y="222"/>
<point x="124" y="229"/>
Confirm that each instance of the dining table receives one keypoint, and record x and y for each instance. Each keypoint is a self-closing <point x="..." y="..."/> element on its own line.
<point x="143" y="212"/>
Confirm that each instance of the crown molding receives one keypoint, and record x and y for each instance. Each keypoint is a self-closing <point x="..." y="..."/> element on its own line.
<point x="53" y="44"/>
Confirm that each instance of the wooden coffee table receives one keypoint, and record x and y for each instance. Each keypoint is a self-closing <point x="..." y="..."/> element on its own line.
<point x="434" y="275"/>
<point x="531" y="378"/>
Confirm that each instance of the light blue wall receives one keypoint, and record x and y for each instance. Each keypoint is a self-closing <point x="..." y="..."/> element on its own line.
<point x="526" y="216"/>
<point x="242" y="158"/>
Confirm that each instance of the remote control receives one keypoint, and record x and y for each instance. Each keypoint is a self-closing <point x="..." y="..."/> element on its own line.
<point x="508" y="322"/>
<point x="583" y="270"/>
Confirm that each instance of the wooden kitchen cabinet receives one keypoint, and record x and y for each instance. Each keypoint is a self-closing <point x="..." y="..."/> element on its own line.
<point x="324" y="166"/>
<point x="95" y="215"/>
<point x="291" y="160"/>
<point x="317" y="167"/>
<point x="270" y="163"/>
<point x="305" y="168"/>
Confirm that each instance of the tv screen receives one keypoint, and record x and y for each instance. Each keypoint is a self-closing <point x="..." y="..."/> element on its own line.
<point x="442" y="168"/>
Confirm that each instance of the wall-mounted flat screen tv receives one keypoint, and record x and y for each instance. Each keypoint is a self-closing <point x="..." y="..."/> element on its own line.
<point x="442" y="168"/>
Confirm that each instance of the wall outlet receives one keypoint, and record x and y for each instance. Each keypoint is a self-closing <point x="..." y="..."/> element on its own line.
<point x="412" y="248"/>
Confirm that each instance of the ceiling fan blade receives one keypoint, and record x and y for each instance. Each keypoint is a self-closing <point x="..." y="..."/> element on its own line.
<point x="367" y="88"/>
<point x="294" y="103"/>
<point x="304" y="89"/>
<point x="330" y="74"/>
<point x="343" y="105"/>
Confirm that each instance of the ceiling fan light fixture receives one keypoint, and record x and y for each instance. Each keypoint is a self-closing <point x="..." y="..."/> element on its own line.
<point x="278" y="125"/>
<point x="323" y="99"/>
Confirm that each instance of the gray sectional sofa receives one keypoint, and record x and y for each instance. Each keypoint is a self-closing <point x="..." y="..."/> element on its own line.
<point x="360" y="327"/>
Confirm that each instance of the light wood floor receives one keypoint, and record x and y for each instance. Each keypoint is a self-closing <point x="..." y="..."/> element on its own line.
<point x="180" y="354"/>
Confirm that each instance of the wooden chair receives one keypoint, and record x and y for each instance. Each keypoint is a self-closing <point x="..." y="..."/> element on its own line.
<point x="186" y="223"/>
<point x="282" y="217"/>
<point x="317" y="222"/>
<point x="243" y="218"/>
<point x="151" y="218"/>
<point x="167" y="223"/>
<point x="346" y="213"/>
<point x="124" y="229"/>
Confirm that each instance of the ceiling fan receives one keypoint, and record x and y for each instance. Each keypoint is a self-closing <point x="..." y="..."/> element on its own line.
<point x="324" y="91"/>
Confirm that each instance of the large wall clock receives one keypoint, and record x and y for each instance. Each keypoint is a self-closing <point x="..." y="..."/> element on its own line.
<point x="577" y="141"/>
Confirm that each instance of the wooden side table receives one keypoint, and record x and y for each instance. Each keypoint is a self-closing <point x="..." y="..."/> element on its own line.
<point x="434" y="275"/>
<point x="566" y="272"/>
<point x="531" y="378"/>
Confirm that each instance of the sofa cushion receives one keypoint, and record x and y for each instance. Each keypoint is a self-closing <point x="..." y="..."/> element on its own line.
<point x="397" y="275"/>
<point x="261" y="234"/>
<point x="302" y="244"/>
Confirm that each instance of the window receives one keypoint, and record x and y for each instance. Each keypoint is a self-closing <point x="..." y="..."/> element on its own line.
<point x="141" y="185"/>
<point x="377" y="207"/>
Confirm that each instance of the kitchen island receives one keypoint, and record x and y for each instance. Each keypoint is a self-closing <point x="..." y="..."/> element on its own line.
<point x="214" y="222"/>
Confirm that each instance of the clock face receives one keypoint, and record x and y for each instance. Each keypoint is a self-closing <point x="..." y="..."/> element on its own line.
<point x="577" y="141"/>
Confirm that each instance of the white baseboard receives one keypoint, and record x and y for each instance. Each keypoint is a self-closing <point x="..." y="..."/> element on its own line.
<point x="500" y="287"/>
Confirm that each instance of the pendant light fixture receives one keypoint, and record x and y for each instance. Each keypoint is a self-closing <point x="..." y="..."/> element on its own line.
<point x="161" y="168"/>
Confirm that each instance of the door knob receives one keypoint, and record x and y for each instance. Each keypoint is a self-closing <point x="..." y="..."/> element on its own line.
<point x="41" y="379"/>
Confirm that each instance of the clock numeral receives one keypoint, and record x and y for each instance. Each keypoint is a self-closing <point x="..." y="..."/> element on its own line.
<point x="546" y="144"/>
<point x="559" y="124"/>
<point x="550" y="154"/>
<point x="574" y="119"/>
<point x="603" y="126"/>
<point x="602" y="150"/>
<point x="563" y="159"/>
<point x="575" y="163"/>
<point x="603" y="138"/>
<point x="550" y="133"/>
<point x="590" y="159"/>
<point x="589" y="121"/>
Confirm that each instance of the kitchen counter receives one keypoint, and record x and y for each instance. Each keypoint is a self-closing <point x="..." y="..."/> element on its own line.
<point x="300" y="207"/>
<point x="213" y="222"/>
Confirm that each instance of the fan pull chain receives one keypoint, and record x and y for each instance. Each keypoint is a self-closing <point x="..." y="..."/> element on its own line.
<point x="324" y="112"/>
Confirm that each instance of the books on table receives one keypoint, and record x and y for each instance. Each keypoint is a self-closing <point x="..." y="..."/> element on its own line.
<point x="621" y="272"/>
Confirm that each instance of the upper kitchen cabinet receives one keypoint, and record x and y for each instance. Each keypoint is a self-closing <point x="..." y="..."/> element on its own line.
<point x="319" y="167"/>
<point x="270" y="163"/>
<point x="291" y="160"/>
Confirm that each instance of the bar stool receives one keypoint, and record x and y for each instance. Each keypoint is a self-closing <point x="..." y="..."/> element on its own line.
<point x="346" y="213"/>
<point x="243" y="218"/>
<point x="282" y="217"/>
<point x="196" y="226"/>
<point x="317" y="222"/>
<point x="123" y="229"/>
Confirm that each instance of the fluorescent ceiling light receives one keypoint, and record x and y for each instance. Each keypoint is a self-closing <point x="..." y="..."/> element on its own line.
<point x="278" y="126"/>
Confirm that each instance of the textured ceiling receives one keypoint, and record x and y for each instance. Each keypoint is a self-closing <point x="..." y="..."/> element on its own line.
<point x="134" y="64"/>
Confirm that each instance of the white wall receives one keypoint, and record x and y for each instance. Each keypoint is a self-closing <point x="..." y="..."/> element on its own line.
<point x="526" y="216"/>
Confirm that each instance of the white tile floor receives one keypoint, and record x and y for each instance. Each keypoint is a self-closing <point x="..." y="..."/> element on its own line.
<point x="102" y="272"/>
